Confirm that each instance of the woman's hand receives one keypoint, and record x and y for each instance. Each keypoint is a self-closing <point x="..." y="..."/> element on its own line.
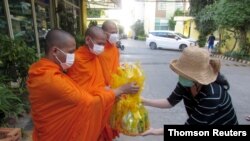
<point x="157" y="103"/>
<point x="153" y="131"/>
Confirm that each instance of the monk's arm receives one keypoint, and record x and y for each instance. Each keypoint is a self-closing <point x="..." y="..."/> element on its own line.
<point x="67" y="89"/>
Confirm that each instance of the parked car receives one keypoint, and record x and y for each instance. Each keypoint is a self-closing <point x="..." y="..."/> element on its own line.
<point x="169" y="40"/>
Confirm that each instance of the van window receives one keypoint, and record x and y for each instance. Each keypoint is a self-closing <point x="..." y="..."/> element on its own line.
<point x="162" y="34"/>
<point x="170" y="35"/>
<point x="153" y="33"/>
<point x="181" y="35"/>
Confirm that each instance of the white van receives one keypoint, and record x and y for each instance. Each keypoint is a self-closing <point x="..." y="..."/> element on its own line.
<point x="169" y="40"/>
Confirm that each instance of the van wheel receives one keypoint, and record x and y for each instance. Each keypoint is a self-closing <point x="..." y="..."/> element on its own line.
<point x="182" y="46"/>
<point x="153" y="45"/>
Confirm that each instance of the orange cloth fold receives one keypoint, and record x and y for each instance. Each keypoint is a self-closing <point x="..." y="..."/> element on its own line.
<point x="61" y="110"/>
<point x="110" y="61"/>
<point x="88" y="73"/>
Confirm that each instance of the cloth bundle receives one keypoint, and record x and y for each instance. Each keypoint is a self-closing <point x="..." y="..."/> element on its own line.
<point x="129" y="116"/>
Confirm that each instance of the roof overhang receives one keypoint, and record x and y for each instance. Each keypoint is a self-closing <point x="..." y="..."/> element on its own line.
<point x="183" y="18"/>
<point x="104" y="4"/>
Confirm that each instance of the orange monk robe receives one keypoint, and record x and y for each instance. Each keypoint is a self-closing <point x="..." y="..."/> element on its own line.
<point x="61" y="110"/>
<point x="110" y="61"/>
<point x="87" y="73"/>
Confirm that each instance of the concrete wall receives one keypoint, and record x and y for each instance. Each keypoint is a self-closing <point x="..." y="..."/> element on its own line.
<point x="193" y="32"/>
<point x="186" y="26"/>
<point x="230" y="42"/>
<point x="149" y="16"/>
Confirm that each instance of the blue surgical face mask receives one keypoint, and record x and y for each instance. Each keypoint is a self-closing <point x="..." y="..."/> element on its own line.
<point x="185" y="82"/>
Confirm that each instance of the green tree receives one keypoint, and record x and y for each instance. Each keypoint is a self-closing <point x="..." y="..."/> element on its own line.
<point x="138" y="28"/>
<point x="197" y="5"/>
<point x="205" y="24"/>
<point x="15" y="60"/>
<point x="94" y="13"/>
<point x="171" y="22"/>
<point x="235" y="17"/>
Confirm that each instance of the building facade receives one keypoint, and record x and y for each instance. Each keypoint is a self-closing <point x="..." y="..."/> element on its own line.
<point x="158" y="13"/>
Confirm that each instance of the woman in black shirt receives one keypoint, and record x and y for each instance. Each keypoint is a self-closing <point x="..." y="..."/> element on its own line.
<point x="202" y="88"/>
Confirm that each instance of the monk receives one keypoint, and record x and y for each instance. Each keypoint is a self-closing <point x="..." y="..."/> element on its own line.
<point x="110" y="58"/>
<point x="87" y="70"/>
<point x="61" y="110"/>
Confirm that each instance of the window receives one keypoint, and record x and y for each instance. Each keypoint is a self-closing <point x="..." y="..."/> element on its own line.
<point x="161" y="5"/>
<point x="22" y="20"/>
<point x="179" y="5"/>
<point x="171" y="35"/>
<point x="181" y="35"/>
<point x="153" y="33"/>
<point x="161" y="24"/>
<point x="162" y="34"/>
<point x="3" y="21"/>
<point x="159" y="34"/>
<point x="69" y="19"/>
<point x="43" y="21"/>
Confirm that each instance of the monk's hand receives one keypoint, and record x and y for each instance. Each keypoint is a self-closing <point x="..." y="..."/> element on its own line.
<point x="130" y="88"/>
<point x="108" y="88"/>
<point x="152" y="131"/>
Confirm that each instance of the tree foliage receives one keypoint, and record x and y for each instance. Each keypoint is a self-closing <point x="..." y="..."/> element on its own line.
<point x="205" y="23"/>
<point x="202" y="12"/>
<point x="232" y="15"/>
<point x="15" y="60"/>
<point x="94" y="13"/>
<point x="138" y="28"/>
<point x="235" y="17"/>
<point x="197" y="5"/>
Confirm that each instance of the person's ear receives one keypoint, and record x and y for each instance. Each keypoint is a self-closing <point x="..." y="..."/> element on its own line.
<point x="107" y="35"/>
<point x="54" y="50"/>
<point x="87" y="39"/>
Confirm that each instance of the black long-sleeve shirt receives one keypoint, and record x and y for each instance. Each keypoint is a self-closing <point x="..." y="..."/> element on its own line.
<point x="211" y="106"/>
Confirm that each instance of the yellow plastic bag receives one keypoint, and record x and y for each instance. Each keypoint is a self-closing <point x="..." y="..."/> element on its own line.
<point x="129" y="116"/>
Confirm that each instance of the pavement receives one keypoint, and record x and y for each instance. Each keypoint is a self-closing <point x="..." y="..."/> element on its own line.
<point x="161" y="80"/>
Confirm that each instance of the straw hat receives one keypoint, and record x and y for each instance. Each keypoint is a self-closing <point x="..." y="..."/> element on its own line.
<point x="195" y="64"/>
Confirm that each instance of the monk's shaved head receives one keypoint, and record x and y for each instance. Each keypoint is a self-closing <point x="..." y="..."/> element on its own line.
<point x="108" y="24"/>
<point x="94" y="32"/>
<point x="56" y="37"/>
<point x="95" y="35"/>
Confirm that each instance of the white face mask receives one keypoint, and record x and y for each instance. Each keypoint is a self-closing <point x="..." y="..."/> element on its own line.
<point x="113" y="38"/>
<point x="97" y="49"/>
<point x="70" y="58"/>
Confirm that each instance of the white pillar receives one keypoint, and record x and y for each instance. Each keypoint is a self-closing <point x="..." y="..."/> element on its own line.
<point x="179" y="27"/>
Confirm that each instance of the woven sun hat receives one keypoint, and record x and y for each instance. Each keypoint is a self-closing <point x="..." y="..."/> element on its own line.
<point x="195" y="64"/>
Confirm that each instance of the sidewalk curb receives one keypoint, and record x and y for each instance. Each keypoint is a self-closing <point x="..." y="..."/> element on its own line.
<point x="231" y="59"/>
